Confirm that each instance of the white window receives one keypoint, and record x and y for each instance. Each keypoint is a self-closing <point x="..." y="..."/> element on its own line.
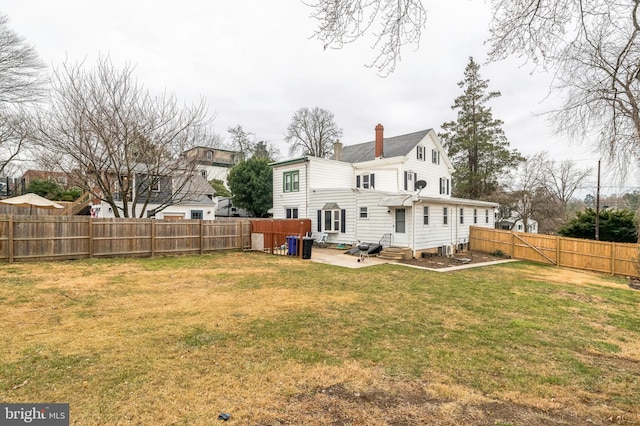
<point x="486" y="216"/>
<point x="444" y="186"/>
<point x="461" y="216"/>
<point x="425" y="215"/>
<point x="435" y="156"/>
<point x="475" y="215"/>
<point x="291" y="212"/>
<point x="209" y="155"/>
<point x="445" y="215"/>
<point x="366" y="181"/>
<point x="364" y="212"/>
<point x="420" y="152"/>
<point x="331" y="220"/>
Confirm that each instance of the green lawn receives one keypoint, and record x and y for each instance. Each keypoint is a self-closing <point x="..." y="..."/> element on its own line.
<point x="279" y="341"/>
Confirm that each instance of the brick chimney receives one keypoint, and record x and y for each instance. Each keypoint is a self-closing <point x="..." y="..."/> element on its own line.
<point x="379" y="139"/>
<point x="337" y="150"/>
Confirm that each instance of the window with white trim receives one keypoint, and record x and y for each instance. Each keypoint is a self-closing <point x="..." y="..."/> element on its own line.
<point x="291" y="212"/>
<point x="445" y="215"/>
<point x="366" y="181"/>
<point x="461" y="216"/>
<point x="486" y="216"/>
<point x="364" y="212"/>
<point x="444" y="186"/>
<point x="425" y="215"/>
<point x="435" y="156"/>
<point x="420" y="152"/>
<point x="475" y="215"/>
<point x="331" y="220"/>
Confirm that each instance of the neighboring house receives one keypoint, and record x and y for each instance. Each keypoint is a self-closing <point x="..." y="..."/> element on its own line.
<point x="61" y="178"/>
<point x="213" y="163"/>
<point x="396" y="188"/>
<point x="195" y="199"/>
<point x="515" y="223"/>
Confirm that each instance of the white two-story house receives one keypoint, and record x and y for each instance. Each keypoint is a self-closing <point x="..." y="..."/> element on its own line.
<point x="395" y="189"/>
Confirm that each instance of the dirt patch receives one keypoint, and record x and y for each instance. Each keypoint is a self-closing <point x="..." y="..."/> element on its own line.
<point x="407" y="403"/>
<point x="465" y="258"/>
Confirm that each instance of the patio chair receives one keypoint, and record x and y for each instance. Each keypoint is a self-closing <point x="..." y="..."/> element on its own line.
<point x="322" y="240"/>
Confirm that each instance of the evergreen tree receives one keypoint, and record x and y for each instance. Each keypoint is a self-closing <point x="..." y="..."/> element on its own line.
<point x="251" y="185"/>
<point x="475" y="142"/>
<point x="614" y="225"/>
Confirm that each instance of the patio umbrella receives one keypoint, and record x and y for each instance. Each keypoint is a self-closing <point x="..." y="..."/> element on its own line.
<point x="31" y="200"/>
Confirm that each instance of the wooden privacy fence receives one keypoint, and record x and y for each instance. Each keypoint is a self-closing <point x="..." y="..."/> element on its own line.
<point x="36" y="238"/>
<point x="599" y="256"/>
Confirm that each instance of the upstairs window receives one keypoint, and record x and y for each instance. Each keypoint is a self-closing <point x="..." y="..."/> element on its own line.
<point x="435" y="156"/>
<point x="420" y="152"/>
<point x="444" y="186"/>
<point x="366" y="181"/>
<point x="291" y="181"/>
<point x="409" y="179"/>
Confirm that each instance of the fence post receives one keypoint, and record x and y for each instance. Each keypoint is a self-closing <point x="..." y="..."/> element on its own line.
<point x="201" y="236"/>
<point x="10" y="246"/>
<point x="90" y="224"/>
<point x="613" y="258"/>
<point x="153" y="237"/>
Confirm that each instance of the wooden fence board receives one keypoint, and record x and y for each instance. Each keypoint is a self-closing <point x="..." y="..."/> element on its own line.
<point x="598" y="256"/>
<point x="35" y="238"/>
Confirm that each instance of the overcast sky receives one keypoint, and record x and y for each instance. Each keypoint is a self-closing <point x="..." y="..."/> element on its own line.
<point x="255" y="64"/>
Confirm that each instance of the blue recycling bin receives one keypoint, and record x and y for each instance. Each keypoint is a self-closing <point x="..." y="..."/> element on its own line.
<point x="292" y="245"/>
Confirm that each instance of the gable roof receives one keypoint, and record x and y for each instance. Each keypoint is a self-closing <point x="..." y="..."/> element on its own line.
<point x="396" y="146"/>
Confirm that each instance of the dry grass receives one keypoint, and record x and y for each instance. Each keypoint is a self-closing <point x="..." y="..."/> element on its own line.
<point x="277" y="341"/>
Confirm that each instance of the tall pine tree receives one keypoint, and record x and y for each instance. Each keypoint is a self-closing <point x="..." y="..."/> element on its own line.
<point x="475" y="142"/>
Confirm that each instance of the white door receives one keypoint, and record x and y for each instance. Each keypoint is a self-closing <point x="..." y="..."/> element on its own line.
<point x="401" y="228"/>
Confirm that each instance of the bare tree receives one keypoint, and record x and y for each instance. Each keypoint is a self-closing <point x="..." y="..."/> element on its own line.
<point x="562" y="179"/>
<point x="594" y="48"/>
<point x="241" y="141"/>
<point x="21" y="83"/>
<point x="395" y="23"/>
<point x="312" y="132"/>
<point x="122" y="144"/>
<point x="21" y="79"/>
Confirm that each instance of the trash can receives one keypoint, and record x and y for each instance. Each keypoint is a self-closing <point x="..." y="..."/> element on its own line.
<point x="292" y="245"/>
<point x="307" y="244"/>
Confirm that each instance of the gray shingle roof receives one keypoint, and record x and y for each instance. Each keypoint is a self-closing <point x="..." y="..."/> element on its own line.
<point x="396" y="146"/>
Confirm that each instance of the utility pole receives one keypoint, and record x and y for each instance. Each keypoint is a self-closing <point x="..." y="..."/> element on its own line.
<point x="598" y="205"/>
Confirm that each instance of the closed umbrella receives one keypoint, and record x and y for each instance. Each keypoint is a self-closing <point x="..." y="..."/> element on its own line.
<point x="31" y="200"/>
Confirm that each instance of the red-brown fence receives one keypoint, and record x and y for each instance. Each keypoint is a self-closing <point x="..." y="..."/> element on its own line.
<point x="280" y="236"/>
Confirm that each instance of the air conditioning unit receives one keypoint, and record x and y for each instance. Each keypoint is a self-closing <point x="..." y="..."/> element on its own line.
<point x="446" y="250"/>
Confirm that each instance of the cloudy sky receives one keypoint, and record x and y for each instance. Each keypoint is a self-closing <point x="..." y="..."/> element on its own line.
<point x="255" y="64"/>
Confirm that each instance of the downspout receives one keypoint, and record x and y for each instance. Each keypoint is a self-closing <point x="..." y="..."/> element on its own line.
<point x="307" y="189"/>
